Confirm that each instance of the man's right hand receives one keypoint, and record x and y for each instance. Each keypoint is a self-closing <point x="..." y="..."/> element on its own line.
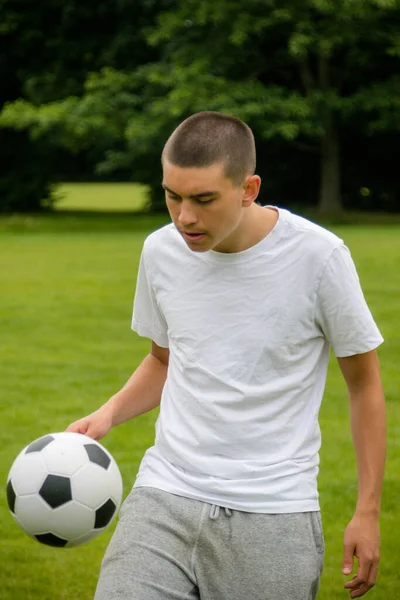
<point x="95" y="425"/>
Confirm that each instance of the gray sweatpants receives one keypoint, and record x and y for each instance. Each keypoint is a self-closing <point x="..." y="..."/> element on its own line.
<point x="166" y="547"/>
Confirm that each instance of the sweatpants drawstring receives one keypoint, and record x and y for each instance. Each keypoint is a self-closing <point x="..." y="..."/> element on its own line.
<point x="214" y="511"/>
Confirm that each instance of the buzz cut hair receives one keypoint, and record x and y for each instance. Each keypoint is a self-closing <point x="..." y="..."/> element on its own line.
<point x="209" y="137"/>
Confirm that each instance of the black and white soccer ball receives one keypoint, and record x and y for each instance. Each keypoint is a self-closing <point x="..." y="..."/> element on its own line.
<point x="64" y="489"/>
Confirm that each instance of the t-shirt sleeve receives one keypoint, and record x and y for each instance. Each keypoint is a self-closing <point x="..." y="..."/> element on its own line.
<point x="342" y="312"/>
<point x="147" y="319"/>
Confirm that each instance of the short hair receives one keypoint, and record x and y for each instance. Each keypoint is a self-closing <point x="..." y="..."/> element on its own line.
<point x="209" y="137"/>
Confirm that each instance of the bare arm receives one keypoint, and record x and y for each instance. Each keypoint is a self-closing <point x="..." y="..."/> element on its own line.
<point x="368" y="425"/>
<point x="140" y="394"/>
<point x="142" y="391"/>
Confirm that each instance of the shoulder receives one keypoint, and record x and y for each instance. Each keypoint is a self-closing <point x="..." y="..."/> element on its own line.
<point x="165" y="250"/>
<point x="160" y="241"/>
<point x="157" y="237"/>
<point x="304" y="228"/>
<point x="312" y="240"/>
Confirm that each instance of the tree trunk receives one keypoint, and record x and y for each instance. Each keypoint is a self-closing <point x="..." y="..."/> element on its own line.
<point x="330" y="201"/>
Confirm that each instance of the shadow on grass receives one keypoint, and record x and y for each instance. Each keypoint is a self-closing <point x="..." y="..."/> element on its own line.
<point x="82" y="221"/>
<point x="347" y="217"/>
<point x="135" y="221"/>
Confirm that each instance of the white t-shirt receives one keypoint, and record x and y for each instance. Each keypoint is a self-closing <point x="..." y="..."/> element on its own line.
<point x="249" y="335"/>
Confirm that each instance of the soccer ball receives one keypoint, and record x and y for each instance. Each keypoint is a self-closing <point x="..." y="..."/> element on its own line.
<point x="64" y="489"/>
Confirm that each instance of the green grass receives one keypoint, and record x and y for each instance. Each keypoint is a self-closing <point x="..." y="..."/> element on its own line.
<point x="65" y="307"/>
<point x="108" y="197"/>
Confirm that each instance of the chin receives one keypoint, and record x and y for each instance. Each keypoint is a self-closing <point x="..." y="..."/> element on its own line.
<point x="198" y="250"/>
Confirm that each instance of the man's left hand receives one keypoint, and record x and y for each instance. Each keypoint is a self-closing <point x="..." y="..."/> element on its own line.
<point x="361" y="539"/>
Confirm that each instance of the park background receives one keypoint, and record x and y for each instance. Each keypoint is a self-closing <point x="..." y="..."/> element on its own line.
<point x="89" y="93"/>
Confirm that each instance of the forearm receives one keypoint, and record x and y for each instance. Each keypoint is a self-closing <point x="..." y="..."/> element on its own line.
<point x="368" y="424"/>
<point x="140" y="394"/>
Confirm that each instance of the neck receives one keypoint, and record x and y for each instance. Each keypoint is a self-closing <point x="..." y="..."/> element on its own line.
<point x="256" y="224"/>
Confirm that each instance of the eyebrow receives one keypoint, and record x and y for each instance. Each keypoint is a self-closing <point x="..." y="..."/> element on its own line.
<point x="195" y="196"/>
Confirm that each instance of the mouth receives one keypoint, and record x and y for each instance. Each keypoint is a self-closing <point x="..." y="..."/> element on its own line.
<point x="193" y="237"/>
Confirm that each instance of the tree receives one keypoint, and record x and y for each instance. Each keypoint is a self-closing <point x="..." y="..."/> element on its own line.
<point x="49" y="50"/>
<point x="301" y="74"/>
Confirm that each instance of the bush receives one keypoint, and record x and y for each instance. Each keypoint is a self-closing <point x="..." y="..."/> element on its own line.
<point x="27" y="174"/>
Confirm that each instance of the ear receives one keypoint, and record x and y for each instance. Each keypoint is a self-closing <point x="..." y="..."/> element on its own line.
<point x="251" y="188"/>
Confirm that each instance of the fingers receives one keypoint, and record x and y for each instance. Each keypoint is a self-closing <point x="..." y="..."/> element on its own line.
<point x="81" y="426"/>
<point x="90" y="427"/>
<point x="359" y="579"/>
<point x="348" y="559"/>
<point x="365" y="578"/>
<point x="94" y="433"/>
<point x="86" y="427"/>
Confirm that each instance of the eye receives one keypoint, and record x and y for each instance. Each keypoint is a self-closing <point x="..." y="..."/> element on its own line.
<point x="206" y="201"/>
<point x="172" y="196"/>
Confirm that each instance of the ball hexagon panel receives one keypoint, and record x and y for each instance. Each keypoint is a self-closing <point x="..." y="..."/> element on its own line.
<point x="67" y="522"/>
<point x="91" y="485"/>
<point x="71" y="520"/>
<point x="18" y="522"/>
<point x="28" y="473"/>
<point x="74" y="438"/>
<point x="116" y="483"/>
<point x="56" y="490"/>
<point x="83" y="539"/>
<point x="63" y="457"/>
<point x="33" y="514"/>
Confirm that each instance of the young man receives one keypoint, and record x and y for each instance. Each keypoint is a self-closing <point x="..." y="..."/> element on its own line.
<point x="241" y="303"/>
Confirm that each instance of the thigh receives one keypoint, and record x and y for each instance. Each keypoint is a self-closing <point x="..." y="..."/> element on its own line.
<point x="149" y="556"/>
<point x="261" y="557"/>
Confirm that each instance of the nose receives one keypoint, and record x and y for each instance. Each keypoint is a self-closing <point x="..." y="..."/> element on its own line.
<point x="187" y="214"/>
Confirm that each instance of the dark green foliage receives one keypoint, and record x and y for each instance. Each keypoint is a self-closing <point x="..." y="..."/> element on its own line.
<point x="48" y="51"/>
<point x="26" y="173"/>
<point x="318" y="81"/>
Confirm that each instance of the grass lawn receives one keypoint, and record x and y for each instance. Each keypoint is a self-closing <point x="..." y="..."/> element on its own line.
<point x="66" y="346"/>
<point x="108" y="197"/>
